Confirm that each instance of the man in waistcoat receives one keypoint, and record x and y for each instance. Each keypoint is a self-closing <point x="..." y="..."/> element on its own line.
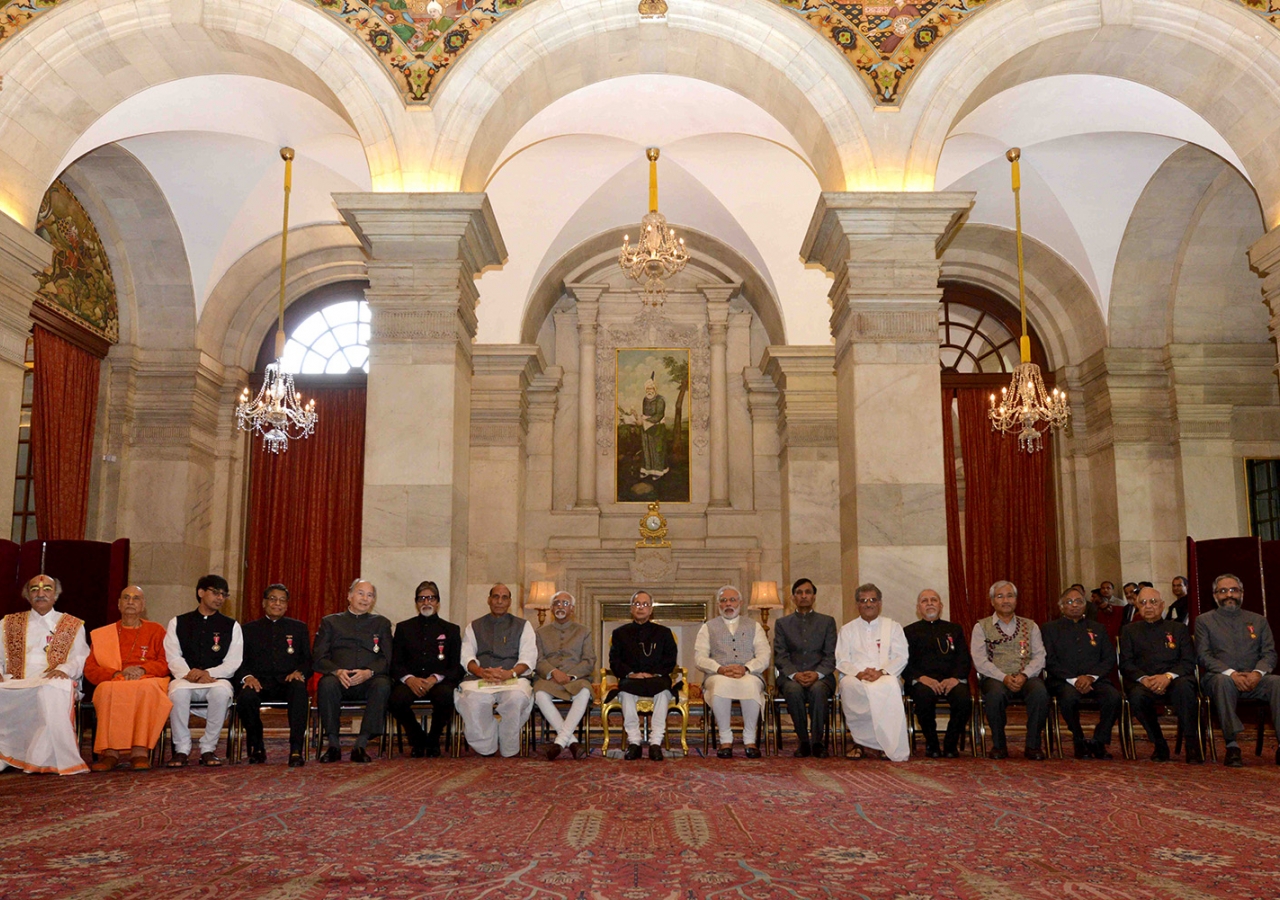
<point x="42" y="656"/>
<point x="732" y="652"/>
<point x="277" y="664"/>
<point x="1158" y="663"/>
<point x="499" y="652"/>
<point x="1008" y="653"/>
<point x="937" y="667"/>
<point x="642" y="654"/>
<point x="804" y="654"/>
<point x="353" y="655"/>
<point x="1079" y="656"/>
<point x="426" y="665"/>
<point x="566" y="660"/>
<point x="1237" y="659"/>
<point x="204" y="649"/>
<point x="871" y="652"/>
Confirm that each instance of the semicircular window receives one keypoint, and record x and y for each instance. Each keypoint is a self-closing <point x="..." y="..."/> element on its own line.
<point x="330" y="341"/>
<point x="974" y="341"/>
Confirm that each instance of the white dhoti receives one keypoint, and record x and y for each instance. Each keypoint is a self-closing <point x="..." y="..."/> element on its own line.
<point x="37" y="726"/>
<point x="216" y="696"/>
<point x="485" y="732"/>
<point x="875" y="715"/>
<point x="720" y="691"/>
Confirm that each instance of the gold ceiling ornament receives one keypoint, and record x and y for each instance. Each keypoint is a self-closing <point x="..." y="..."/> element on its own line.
<point x="653" y="9"/>
<point x="653" y="528"/>
<point x="277" y="412"/>
<point x="658" y="254"/>
<point x="1025" y="406"/>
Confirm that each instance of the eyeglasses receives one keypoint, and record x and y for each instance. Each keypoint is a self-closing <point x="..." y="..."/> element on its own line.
<point x="1235" y="590"/>
<point x="1073" y="601"/>
<point x="642" y="603"/>
<point x="423" y="597"/>
<point x="867" y="601"/>
<point x="1149" y="601"/>
<point x="217" y="593"/>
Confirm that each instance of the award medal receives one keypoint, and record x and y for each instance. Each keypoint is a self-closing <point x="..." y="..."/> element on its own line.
<point x="376" y="648"/>
<point x="1168" y="640"/>
<point x="1093" y="638"/>
<point x="440" y="647"/>
<point x="289" y="640"/>
<point x="1253" y="635"/>
<point x="144" y="652"/>
<point x="217" y="642"/>
<point x="951" y="643"/>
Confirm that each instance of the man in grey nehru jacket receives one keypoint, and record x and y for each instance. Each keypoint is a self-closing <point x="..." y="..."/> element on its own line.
<point x="1237" y="659"/>
<point x="566" y="660"/>
<point x="499" y="651"/>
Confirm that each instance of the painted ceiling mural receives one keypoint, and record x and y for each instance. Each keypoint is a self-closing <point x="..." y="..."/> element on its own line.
<point x="77" y="284"/>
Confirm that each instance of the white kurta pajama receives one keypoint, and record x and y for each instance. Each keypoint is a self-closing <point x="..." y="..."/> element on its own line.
<point x="37" y="724"/>
<point x="512" y="699"/>
<point x="873" y="710"/>
<point x="720" y="691"/>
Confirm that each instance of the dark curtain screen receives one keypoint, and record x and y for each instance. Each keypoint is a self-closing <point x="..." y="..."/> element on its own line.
<point x="63" y="408"/>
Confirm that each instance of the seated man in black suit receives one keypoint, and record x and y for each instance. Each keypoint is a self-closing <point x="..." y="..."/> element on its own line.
<point x="937" y="667"/>
<point x="1079" y="656"/>
<point x="276" y="666"/>
<point x="425" y="665"/>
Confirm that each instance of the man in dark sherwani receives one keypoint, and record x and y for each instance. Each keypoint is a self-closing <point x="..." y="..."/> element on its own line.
<point x="276" y="666"/>
<point x="1079" y="656"/>
<point x="1237" y="659"/>
<point x="937" y="667"/>
<point x="804" y="652"/>
<point x="642" y="654"/>
<point x="353" y="655"/>
<point x="1158" y="663"/>
<point x="425" y="666"/>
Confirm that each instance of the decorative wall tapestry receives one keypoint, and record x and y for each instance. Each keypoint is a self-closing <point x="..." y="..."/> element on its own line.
<point x="652" y="421"/>
<point x="77" y="284"/>
<point x="14" y="14"/>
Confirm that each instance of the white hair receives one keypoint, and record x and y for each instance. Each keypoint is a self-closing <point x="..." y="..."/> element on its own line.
<point x="573" y="602"/>
<point x="728" y="587"/>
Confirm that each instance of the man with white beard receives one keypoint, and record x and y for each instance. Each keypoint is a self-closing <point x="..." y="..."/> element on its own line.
<point x="732" y="652"/>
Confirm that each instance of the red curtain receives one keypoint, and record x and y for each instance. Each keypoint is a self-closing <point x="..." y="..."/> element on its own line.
<point x="64" y="405"/>
<point x="305" y="511"/>
<point x="1008" y="518"/>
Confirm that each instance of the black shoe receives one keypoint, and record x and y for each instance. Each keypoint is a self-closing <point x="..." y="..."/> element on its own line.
<point x="257" y="756"/>
<point x="820" y="751"/>
<point x="804" y="750"/>
<point x="1161" y="753"/>
<point x="432" y="749"/>
<point x="725" y="752"/>
<point x="1196" y="758"/>
<point x="1099" y="750"/>
<point x="931" y="751"/>
<point x="951" y="753"/>
<point x="418" y="752"/>
<point x="1083" y="750"/>
<point x="632" y="752"/>
<point x="655" y="752"/>
<point x="333" y="754"/>
<point x="1034" y="753"/>
<point x="998" y="753"/>
<point x="753" y="752"/>
<point x="360" y="755"/>
<point x="297" y="760"/>
<point x="1233" y="760"/>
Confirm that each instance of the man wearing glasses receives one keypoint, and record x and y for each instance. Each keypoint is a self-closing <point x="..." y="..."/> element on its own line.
<point x="1008" y="653"/>
<point x="871" y="652"/>
<point x="566" y="662"/>
<point x="426" y="665"/>
<point x="642" y="654"/>
<point x="204" y="649"/>
<point x="1159" y="665"/>
<point x="1237" y="659"/>
<point x="1079" y="656"/>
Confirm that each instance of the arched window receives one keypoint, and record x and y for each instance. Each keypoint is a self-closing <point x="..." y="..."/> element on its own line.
<point x="978" y="336"/>
<point x="333" y="340"/>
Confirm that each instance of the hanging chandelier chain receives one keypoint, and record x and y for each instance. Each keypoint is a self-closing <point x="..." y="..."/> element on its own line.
<point x="658" y="253"/>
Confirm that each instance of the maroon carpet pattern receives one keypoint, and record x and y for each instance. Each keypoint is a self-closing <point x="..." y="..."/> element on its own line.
<point x="681" y="830"/>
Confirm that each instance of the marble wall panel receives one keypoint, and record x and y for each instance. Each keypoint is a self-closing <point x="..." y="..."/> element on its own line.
<point x="901" y="573"/>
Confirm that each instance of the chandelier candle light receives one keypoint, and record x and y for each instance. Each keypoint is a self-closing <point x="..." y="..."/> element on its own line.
<point x="1025" y="406"/>
<point x="658" y="254"/>
<point x="277" y="412"/>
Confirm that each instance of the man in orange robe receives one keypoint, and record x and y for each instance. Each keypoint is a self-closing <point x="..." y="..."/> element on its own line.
<point x="128" y="666"/>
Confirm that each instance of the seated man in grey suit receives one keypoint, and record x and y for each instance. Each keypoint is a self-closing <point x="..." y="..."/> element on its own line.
<point x="804" y="653"/>
<point x="1237" y="656"/>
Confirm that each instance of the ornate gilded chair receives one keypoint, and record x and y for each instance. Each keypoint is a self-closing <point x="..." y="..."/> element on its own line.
<point x="608" y="690"/>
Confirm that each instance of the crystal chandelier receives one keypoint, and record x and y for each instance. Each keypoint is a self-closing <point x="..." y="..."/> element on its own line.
<point x="658" y="254"/>
<point x="1025" y="406"/>
<point x="277" y="412"/>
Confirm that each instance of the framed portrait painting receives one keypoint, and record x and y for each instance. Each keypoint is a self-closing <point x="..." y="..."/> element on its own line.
<point x="652" y="419"/>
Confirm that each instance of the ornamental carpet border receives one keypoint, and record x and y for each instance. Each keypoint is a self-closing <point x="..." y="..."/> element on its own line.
<point x="692" y="829"/>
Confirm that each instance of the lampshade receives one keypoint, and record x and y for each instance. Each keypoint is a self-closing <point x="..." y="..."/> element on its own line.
<point x="540" y="594"/>
<point x="764" y="595"/>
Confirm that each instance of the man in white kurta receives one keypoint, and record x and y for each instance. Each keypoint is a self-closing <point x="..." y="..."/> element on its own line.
<point x="732" y="652"/>
<point x="871" y="652"/>
<point x="42" y="654"/>
<point x="499" y="652"/>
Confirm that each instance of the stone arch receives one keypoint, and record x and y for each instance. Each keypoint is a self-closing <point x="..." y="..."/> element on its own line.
<point x="545" y="51"/>
<point x="600" y="253"/>
<point x="1060" y="305"/>
<point x="144" y="244"/>
<point x="57" y="75"/>
<point x="1228" y="70"/>
<point x="244" y="305"/>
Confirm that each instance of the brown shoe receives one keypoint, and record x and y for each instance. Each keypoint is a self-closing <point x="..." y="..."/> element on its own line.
<point x="577" y="750"/>
<point x="179" y="761"/>
<point x="552" y="751"/>
<point x="138" y="763"/>
<point x="210" y="759"/>
<point x="105" y="763"/>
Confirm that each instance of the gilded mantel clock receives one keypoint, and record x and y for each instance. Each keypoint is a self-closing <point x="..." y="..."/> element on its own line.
<point x="653" y="528"/>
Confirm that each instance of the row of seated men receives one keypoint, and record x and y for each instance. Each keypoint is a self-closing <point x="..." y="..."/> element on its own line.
<point x="144" y="673"/>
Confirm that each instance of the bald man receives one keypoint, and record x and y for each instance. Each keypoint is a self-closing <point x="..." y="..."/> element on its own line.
<point x="353" y="656"/>
<point x="937" y="669"/>
<point x="499" y="652"/>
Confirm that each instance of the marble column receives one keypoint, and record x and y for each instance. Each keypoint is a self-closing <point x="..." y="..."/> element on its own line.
<point x="588" y="297"/>
<point x="882" y="250"/>
<point x="22" y="254"/>
<point x="809" y="466"/>
<point x="425" y="251"/>
<point x="717" y="332"/>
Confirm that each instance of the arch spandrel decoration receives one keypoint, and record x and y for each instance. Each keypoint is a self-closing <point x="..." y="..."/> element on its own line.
<point x="77" y="284"/>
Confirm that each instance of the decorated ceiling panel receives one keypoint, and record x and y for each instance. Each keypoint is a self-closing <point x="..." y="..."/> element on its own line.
<point x="77" y="284"/>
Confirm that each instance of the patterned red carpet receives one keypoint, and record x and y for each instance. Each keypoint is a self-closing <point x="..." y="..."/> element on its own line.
<point x="681" y="830"/>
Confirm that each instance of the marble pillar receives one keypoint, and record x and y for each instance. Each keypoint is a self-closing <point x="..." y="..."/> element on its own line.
<point x="882" y="250"/>
<point x="22" y="254"/>
<point x="809" y="467"/>
<point x="588" y="297"/>
<point x="425" y="251"/>
<point x="717" y="332"/>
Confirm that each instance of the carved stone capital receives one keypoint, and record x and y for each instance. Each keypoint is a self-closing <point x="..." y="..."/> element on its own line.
<point x="806" y="382"/>
<point x="499" y="406"/>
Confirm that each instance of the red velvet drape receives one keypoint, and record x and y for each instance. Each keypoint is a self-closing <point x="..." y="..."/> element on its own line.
<point x="305" y="511"/>
<point x="1008" y="520"/>
<point x="64" y="405"/>
<point x="962" y="609"/>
